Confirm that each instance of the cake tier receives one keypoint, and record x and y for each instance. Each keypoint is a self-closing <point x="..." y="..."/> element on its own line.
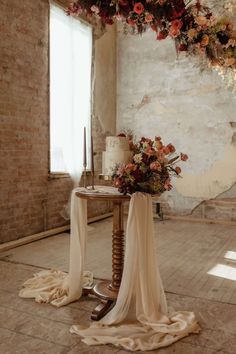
<point x="111" y="159"/>
<point x="117" y="143"/>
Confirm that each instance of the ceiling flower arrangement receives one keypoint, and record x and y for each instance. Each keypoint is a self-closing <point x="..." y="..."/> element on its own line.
<point x="192" y="25"/>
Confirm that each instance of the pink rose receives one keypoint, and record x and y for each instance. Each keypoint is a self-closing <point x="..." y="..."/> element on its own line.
<point x="155" y="166"/>
<point x="149" y="17"/>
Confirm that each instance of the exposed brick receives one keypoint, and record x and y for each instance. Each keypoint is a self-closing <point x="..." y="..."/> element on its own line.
<point x="29" y="201"/>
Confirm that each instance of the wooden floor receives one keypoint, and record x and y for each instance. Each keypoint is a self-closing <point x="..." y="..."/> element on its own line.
<point x="198" y="269"/>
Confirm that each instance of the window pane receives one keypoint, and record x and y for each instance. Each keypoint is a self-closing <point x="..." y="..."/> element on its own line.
<point x="70" y="89"/>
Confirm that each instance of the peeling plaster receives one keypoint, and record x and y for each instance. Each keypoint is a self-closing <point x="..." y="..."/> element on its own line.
<point x="219" y="178"/>
<point x="146" y="99"/>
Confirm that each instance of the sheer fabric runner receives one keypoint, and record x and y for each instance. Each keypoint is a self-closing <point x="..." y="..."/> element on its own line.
<point x="140" y="319"/>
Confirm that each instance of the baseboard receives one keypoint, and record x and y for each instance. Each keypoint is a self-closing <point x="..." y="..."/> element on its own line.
<point x="197" y="220"/>
<point x="28" y="239"/>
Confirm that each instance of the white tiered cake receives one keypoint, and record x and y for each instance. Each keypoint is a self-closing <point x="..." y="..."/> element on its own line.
<point x="117" y="151"/>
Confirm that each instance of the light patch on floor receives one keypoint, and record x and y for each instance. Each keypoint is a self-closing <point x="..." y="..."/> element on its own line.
<point x="223" y="271"/>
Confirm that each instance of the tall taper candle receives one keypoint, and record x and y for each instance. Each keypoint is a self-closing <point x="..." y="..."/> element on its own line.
<point x="92" y="162"/>
<point x="85" y="158"/>
<point x="85" y="149"/>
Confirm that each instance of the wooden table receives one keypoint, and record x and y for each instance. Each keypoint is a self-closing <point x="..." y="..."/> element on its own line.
<point x="107" y="291"/>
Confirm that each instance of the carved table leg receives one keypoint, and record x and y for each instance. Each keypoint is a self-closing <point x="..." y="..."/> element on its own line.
<point x="108" y="291"/>
<point x="117" y="247"/>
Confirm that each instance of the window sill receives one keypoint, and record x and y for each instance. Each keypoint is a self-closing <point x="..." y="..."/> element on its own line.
<point x="56" y="175"/>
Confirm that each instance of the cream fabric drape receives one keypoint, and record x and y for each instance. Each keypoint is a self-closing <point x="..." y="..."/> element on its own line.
<point x="140" y="319"/>
<point x="54" y="286"/>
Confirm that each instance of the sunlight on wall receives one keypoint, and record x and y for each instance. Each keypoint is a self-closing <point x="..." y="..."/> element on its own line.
<point x="223" y="271"/>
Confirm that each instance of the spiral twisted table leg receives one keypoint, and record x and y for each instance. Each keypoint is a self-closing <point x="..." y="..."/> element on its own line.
<point x="108" y="291"/>
<point x="117" y="246"/>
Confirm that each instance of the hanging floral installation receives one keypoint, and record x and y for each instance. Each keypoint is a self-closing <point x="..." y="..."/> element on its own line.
<point x="192" y="25"/>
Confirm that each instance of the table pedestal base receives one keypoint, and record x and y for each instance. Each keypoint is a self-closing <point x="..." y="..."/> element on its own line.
<point x="107" y="296"/>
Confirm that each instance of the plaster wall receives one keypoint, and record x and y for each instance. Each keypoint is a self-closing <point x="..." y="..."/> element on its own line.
<point x="160" y="94"/>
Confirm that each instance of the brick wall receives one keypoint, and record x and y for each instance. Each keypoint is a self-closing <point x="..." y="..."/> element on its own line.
<point x="29" y="201"/>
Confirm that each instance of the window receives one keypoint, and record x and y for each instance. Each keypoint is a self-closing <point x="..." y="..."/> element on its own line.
<point x="70" y="90"/>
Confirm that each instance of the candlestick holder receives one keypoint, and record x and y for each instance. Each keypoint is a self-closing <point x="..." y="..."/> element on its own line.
<point x="85" y="176"/>
<point x="92" y="175"/>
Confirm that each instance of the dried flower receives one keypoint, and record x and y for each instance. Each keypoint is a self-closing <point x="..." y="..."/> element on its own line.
<point x="183" y="157"/>
<point x="201" y="20"/>
<point x="205" y="40"/>
<point x="192" y="33"/>
<point x="95" y="9"/>
<point x="177" y="170"/>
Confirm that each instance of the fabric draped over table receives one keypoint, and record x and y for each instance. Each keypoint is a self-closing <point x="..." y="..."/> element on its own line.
<point x="57" y="287"/>
<point x="140" y="319"/>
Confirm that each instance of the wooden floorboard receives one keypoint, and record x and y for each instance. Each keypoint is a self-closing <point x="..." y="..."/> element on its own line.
<point x="188" y="255"/>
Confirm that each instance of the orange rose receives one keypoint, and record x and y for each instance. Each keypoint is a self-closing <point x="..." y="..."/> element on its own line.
<point x="205" y="40"/>
<point x="138" y="8"/>
<point x="201" y="20"/>
<point x="175" y="28"/>
<point x="176" y="24"/>
<point x="192" y="33"/>
<point x="174" y="32"/>
<point x="178" y="170"/>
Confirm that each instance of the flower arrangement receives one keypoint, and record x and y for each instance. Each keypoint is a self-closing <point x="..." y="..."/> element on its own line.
<point x="151" y="167"/>
<point x="192" y="25"/>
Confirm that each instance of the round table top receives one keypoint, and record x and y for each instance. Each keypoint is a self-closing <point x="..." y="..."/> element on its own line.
<point x="101" y="193"/>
